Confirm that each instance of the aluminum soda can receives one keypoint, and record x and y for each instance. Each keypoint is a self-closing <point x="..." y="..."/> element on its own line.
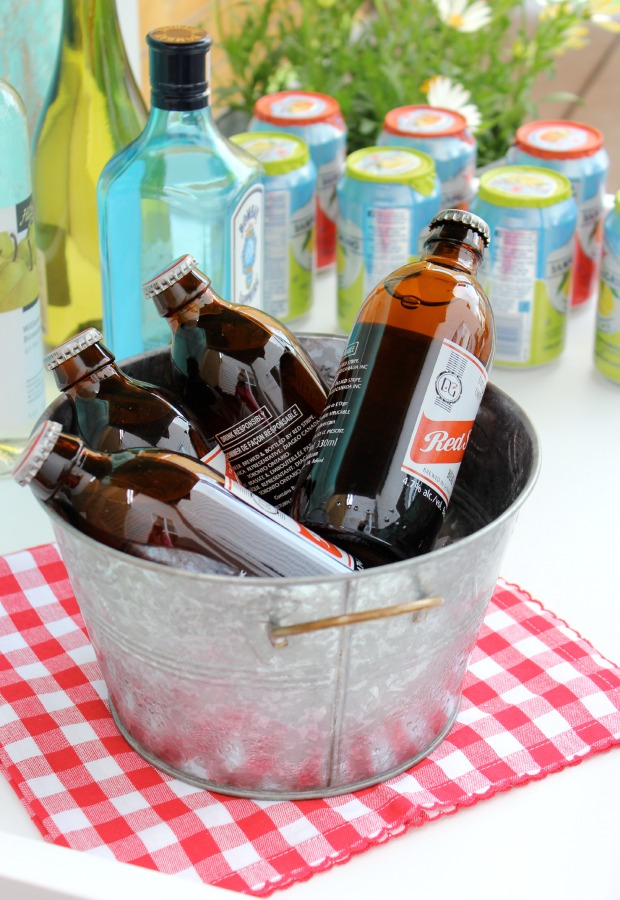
<point x="290" y="216"/>
<point x="607" y="339"/>
<point x="444" y="135"/>
<point x="526" y="271"/>
<point x="316" y="119"/>
<point x="576" y="150"/>
<point x="386" y="198"/>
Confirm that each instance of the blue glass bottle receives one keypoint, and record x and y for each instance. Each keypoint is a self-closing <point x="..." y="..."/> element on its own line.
<point x="180" y="187"/>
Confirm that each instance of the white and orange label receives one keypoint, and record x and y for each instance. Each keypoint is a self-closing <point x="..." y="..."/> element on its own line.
<point x="315" y="544"/>
<point x="446" y="418"/>
<point x="217" y="459"/>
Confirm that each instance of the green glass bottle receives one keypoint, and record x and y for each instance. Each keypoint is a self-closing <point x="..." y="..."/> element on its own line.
<point x="93" y="108"/>
<point x="21" y="358"/>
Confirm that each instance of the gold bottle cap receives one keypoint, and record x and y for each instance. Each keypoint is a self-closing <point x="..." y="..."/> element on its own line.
<point x="169" y="276"/>
<point x="72" y="347"/>
<point x="39" y="446"/>
<point x="466" y="218"/>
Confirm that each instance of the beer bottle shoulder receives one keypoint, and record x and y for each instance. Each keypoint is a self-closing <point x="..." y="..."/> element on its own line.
<point x="165" y="476"/>
<point x="436" y="301"/>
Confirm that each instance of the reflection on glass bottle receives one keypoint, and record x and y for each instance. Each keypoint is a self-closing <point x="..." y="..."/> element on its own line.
<point x="380" y="472"/>
<point x="168" y="508"/>
<point x="245" y="376"/>
<point x="21" y="364"/>
<point x="112" y="411"/>
<point x="180" y="186"/>
<point x="93" y="108"/>
<point x="243" y="392"/>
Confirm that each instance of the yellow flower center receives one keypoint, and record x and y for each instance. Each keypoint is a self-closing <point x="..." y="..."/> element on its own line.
<point x="455" y="20"/>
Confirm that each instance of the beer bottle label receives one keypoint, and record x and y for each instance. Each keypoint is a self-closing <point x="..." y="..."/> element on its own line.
<point x="314" y="544"/>
<point x="267" y="450"/>
<point x="217" y="459"/>
<point x="445" y="420"/>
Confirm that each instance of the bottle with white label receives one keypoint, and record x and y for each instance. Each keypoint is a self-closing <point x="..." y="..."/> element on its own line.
<point x="179" y="187"/>
<point x="169" y="508"/>
<point x="246" y="377"/>
<point x="21" y="342"/>
<point x="387" y="450"/>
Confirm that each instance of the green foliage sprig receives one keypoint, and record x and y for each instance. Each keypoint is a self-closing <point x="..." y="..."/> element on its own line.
<point x="382" y="54"/>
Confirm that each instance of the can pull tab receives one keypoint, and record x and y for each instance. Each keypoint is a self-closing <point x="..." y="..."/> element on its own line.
<point x="278" y="634"/>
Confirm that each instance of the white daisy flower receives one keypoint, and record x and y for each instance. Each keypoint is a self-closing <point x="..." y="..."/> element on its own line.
<point x="605" y="14"/>
<point x="464" y="17"/>
<point x="443" y="92"/>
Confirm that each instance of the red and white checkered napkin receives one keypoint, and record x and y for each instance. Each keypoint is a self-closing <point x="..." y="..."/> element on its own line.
<point x="537" y="697"/>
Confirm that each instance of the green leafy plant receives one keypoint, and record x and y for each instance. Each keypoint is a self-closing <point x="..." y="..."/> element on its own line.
<point x="480" y="58"/>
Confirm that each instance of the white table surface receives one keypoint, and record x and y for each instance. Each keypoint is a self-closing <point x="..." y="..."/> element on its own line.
<point x="555" y="838"/>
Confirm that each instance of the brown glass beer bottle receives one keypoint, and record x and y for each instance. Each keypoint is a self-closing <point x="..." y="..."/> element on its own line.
<point x="245" y="375"/>
<point x="165" y="506"/>
<point x="112" y="411"/>
<point x="384" y="457"/>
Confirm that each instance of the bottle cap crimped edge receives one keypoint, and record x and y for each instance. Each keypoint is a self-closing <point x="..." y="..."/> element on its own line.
<point x="72" y="347"/>
<point x="476" y="223"/>
<point x="39" y="446"/>
<point x="169" y="276"/>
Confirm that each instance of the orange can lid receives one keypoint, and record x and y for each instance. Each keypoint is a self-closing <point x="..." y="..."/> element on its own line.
<point x="424" y="122"/>
<point x="559" y="139"/>
<point x="296" y="108"/>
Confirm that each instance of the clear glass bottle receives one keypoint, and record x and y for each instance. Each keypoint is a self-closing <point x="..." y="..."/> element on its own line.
<point x="386" y="452"/>
<point x="21" y="348"/>
<point x="112" y="411"/>
<point x="93" y="108"/>
<point x="246" y="377"/>
<point x="154" y="499"/>
<point x="181" y="186"/>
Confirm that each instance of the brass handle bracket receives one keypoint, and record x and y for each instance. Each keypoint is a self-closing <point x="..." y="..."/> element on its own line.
<point x="279" y="634"/>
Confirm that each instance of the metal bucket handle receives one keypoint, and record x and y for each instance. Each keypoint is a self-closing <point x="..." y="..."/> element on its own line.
<point x="278" y="634"/>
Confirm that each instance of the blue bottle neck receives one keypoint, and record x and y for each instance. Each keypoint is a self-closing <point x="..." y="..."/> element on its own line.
<point x="182" y="122"/>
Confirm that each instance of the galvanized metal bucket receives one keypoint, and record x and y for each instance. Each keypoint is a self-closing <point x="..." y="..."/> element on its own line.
<point x="296" y="688"/>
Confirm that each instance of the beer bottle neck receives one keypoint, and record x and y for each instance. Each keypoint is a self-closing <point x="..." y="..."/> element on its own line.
<point x="451" y="252"/>
<point x="457" y="242"/>
<point x="68" y="468"/>
<point x="188" y="299"/>
<point x="82" y="366"/>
